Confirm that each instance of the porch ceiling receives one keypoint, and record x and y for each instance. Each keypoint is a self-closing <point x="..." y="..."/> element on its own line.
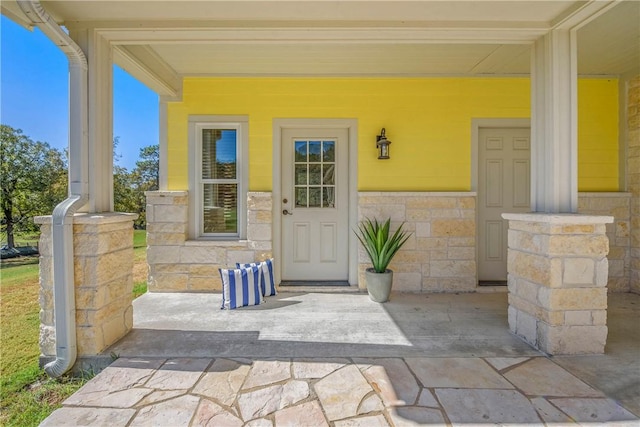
<point x="172" y="39"/>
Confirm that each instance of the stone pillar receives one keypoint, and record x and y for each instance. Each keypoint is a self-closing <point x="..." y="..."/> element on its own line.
<point x="633" y="177"/>
<point x="557" y="276"/>
<point x="103" y="277"/>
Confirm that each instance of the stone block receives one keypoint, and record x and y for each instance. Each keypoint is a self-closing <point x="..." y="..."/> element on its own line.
<point x="453" y="227"/>
<point x="202" y="269"/>
<point x="241" y="256"/>
<point x="588" y="245"/>
<point x="167" y="227"/>
<point x="257" y="232"/>
<point x="461" y="253"/>
<point x="467" y="203"/>
<point x="200" y="284"/>
<point x="166" y="239"/>
<point x="168" y="268"/>
<point x="260" y="217"/>
<point x="259" y="201"/>
<point x="199" y="255"/>
<point x="410" y="257"/>
<point x="568" y="340"/>
<point x="89" y="340"/>
<point x="170" y="213"/>
<point x="453" y="268"/>
<point x="599" y="317"/>
<point x="168" y="282"/>
<point x="578" y="229"/>
<point x="162" y="255"/>
<point x="525" y="325"/>
<point x="114" y="328"/>
<point x="432" y="202"/>
<point x="456" y="284"/>
<point x="423" y="229"/>
<point x="47" y="340"/>
<point x="578" y="271"/>
<point x="427" y="243"/>
<point x="535" y="268"/>
<point x="263" y="246"/>
<point x="528" y="242"/>
<point x="418" y="215"/>
<point x="407" y="282"/>
<point x="446" y="213"/>
<point x="573" y="299"/>
<point x="461" y="242"/>
<point x="578" y="317"/>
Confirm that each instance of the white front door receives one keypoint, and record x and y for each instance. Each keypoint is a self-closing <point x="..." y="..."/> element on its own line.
<point x="314" y="205"/>
<point x="503" y="186"/>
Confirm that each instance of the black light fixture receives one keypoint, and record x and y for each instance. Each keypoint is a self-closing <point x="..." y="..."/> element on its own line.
<point x="383" y="144"/>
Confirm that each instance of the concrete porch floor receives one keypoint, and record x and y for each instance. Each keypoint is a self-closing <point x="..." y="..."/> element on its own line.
<point x="307" y="359"/>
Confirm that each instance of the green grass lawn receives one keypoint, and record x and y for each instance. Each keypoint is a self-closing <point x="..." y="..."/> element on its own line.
<point x="27" y="395"/>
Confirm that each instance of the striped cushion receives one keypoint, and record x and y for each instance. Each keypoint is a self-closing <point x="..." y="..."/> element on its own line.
<point x="240" y="287"/>
<point x="267" y="281"/>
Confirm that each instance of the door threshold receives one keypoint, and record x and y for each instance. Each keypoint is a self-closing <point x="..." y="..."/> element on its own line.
<point x="492" y="283"/>
<point x="317" y="286"/>
<point x="314" y="283"/>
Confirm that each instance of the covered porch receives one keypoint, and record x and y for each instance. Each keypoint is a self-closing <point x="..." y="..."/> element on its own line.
<point x="312" y="358"/>
<point x="164" y="45"/>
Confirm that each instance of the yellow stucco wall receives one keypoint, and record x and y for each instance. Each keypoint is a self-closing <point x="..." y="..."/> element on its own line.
<point x="428" y="120"/>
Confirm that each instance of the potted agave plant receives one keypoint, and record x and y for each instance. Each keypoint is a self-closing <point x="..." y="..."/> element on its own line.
<point x="381" y="246"/>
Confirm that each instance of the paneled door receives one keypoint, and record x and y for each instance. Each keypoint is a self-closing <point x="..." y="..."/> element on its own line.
<point x="503" y="186"/>
<point x="314" y="205"/>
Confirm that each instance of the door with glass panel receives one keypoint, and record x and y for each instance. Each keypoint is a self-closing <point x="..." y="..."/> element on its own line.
<point x="314" y="205"/>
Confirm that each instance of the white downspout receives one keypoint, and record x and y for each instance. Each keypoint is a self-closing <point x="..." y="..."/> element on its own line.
<point x="62" y="229"/>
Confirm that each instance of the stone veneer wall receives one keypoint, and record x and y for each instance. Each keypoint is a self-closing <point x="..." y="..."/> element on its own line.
<point x="557" y="276"/>
<point x="440" y="256"/>
<point x="633" y="177"/>
<point x="103" y="278"/>
<point x="177" y="264"/>
<point x="617" y="205"/>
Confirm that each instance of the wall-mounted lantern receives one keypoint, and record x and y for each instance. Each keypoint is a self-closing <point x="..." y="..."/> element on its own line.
<point x="382" y="143"/>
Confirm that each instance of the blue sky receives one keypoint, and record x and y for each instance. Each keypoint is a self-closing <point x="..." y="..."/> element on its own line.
<point x="34" y="86"/>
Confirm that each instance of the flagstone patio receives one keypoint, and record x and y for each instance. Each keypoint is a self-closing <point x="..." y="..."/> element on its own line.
<point x="425" y="360"/>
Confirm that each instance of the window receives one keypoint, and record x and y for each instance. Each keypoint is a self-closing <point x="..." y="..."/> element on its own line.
<point x="219" y="178"/>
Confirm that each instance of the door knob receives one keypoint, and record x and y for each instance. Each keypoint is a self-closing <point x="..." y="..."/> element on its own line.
<point x="286" y="212"/>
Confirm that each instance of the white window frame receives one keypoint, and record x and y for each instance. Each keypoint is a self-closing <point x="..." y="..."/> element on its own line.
<point x="197" y="124"/>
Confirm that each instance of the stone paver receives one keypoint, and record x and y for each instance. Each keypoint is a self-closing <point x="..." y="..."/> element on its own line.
<point x="487" y="406"/>
<point x="456" y="372"/>
<point x="339" y="392"/>
<point x="542" y="377"/>
<point x="222" y="380"/>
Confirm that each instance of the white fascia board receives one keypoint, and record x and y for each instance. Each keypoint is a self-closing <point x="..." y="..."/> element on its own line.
<point x="145" y="65"/>
<point x="194" y="35"/>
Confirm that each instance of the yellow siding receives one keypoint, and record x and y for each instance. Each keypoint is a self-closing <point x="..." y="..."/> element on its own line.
<point x="598" y="135"/>
<point x="428" y="120"/>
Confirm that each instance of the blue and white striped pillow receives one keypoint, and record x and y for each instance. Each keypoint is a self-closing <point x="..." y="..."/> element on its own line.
<point x="240" y="287"/>
<point x="267" y="281"/>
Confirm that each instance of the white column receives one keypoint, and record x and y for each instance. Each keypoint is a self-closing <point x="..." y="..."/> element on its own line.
<point x="163" y="120"/>
<point x="554" y="156"/>
<point x="100" y="112"/>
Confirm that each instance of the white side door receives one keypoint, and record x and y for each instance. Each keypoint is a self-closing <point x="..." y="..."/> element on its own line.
<point x="315" y="205"/>
<point x="503" y="186"/>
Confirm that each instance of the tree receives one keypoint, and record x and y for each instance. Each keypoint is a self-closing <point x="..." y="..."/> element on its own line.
<point x="146" y="178"/>
<point x="129" y="187"/>
<point x="147" y="168"/>
<point x="34" y="181"/>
